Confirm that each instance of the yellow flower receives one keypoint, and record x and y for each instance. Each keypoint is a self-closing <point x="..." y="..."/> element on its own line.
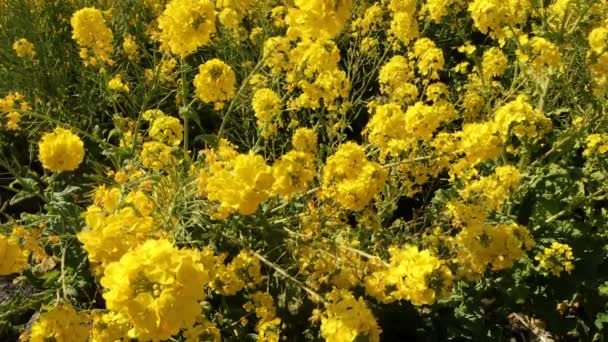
<point x="29" y="240"/>
<point x="267" y="107"/>
<point x="130" y="48"/>
<point x="230" y="19"/>
<point x="438" y="9"/>
<point x="107" y="199"/>
<point x="215" y="83"/>
<point x="494" y="63"/>
<point x="204" y="330"/>
<point x="304" y="140"/>
<point x="556" y="259"/>
<point x="157" y="156"/>
<point x="167" y="130"/>
<point x="293" y="173"/>
<point x="314" y="69"/>
<point x="255" y="34"/>
<point x="258" y="81"/>
<point x="164" y="72"/>
<point x="386" y="129"/>
<point x="91" y="32"/>
<point x="402" y="5"/>
<point x="539" y="54"/>
<point x="369" y="44"/>
<point x="277" y="14"/>
<point x="371" y="19"/>
<point x="403" y="25"/>
<point x="24" y="49"/>
<point x="240" y="185"/>
<point x="412" y="275"/>
<point x="348" y="319"/>
<point x="269" y="330"/>
<point x="241" y="7"/>
<point x="479" y="246"/>
<point x="492" y="16"/>
<point x="521" y="119"/>
<point x="429" y="58"/>
<point x="140" y="202"/>
<point x="318" y="19"/>
<point x="597" y="57"/>
<point x="157" y="287"/>
<point x="276" y="54"/>
<point x="244" y="271"/>
<point x="61" y="323"/>
<point x="396" y="132"/>
<point x="596" y="143"/>
<point x="263" y="304"/>
<point x="598" y="37"/>
<point x="152" y="114"/>
<point x="60" y="150"/>
<point x="108" y="326"/>
<point x="268" y="326"/>
<point x="12" y="258"/>
<point x="492" y="191"/>
<point x="109" y="235"/>
<point x="13" y="119"/>
<point x="350" y="179"/>
<point x="397" y="80"/>
<point x="187" y="25"/>
<point x="479" y="142"/>
<point x="116" y="84"/>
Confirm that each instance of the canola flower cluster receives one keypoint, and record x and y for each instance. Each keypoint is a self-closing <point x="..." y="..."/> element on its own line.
<point x="241" y="182"/>
<point x="215" y="83"/>
<point x="118" y="85"/>
<point x="596" y="144"/>
<point x="165" y="133"/>
<point x="268" y="326"/>
<point x="24" y="49"/>
<point x="350" y="179"/>
<point x="413" y="275"/>
<point x="556" y="259"/>
<point x="152" y="289"/>
<point x="307" y="56"/>
<point x="186" y="26"/>
<point x="157" y="288"/>
<point x="11" y="107"/>
<point x="598" y="56"/>
<point x="60" y="150"/>
<point x="14" y="258"/>
<point x="347" y="318"/>
<point x="181" y="226"/>
<point x="93" y="36"/>
<point x="116" y="224"/>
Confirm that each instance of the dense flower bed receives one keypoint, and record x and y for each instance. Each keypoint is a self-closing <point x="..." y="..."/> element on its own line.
<point x="194" y="170"/>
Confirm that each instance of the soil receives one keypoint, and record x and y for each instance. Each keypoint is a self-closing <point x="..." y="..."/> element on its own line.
<point x="9" y="291"/>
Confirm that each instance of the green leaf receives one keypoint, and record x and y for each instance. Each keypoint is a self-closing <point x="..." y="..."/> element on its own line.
<point x="601" y="319"/>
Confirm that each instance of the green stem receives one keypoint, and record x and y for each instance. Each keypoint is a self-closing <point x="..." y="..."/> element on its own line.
<point x="186" y="106"/>
<point x="63" y="283"/>
<point x="238" y="92"/>
<point x="284" y="273"/>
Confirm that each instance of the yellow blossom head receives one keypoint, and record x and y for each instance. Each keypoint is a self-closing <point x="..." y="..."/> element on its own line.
<point x="215" y="82"/>
<point x="157" y="287"/>
<point x="61" y="323"/>
<point x="187" y="25"/>
<point x="93" y="36"/>
<point x="24" y="49"/>
<point x="60" y="150"/>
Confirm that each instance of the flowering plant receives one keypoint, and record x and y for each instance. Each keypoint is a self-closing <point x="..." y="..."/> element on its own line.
<point x="303" y="170"/>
